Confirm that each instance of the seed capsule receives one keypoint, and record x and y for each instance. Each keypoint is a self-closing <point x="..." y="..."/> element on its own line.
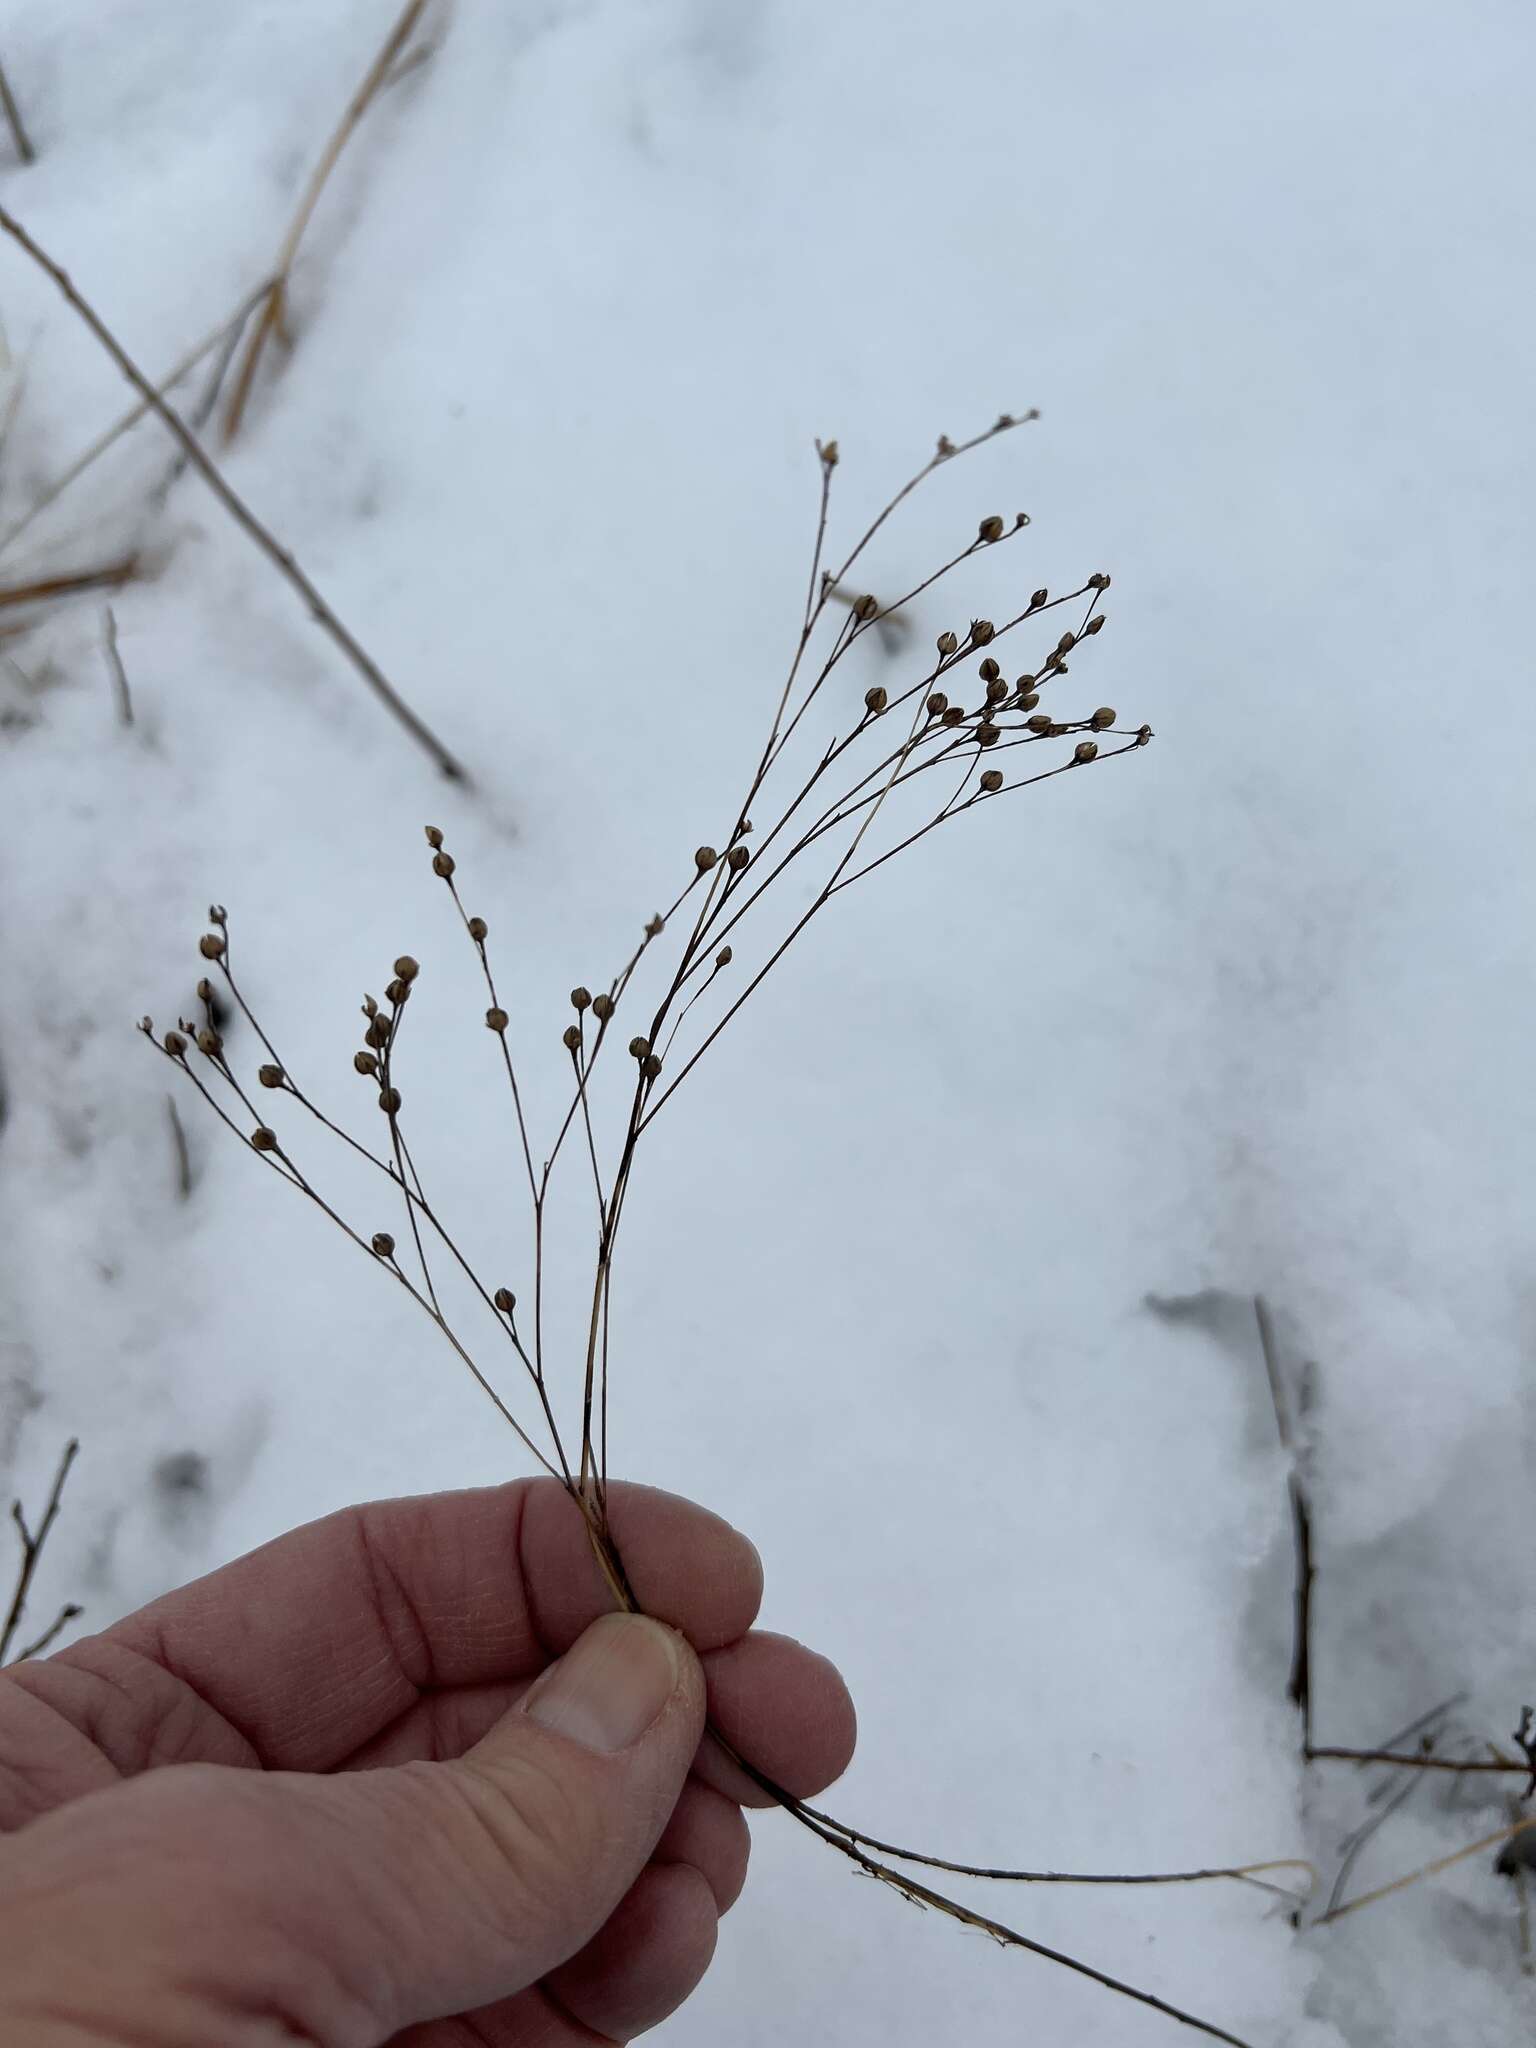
<point x="398" y="990"/>
<point x="983" y="632"/>
<point x="1095" y="624"/>
<point x="389" y="1101"/>
<point x="875" y="700"/>
<point x="443" y="864"/>
<point x="1102" y="719"/>
<point x="384" y="1244"/>
<point x="937" y="703"/>
<point x="1039" y="723"/>
<point x="639" y="1047"/>
<point x="174" y="1044"/>
<point x="997" y="690"/>
<point x="270" y="1077"/>
<point x="211" y="945"/>
<point x="866" y="608"/>
<point x="990" y="529"/>
<point x="737" y="858"/>
<point x="651" y="1066"/>
<point x="988" y="670"/>
<point x="495" y="1019"/>
<point x="263" y="1139"/>
<point x="954" y="716"/>
<point x="581" y="998"/>
<point x="947" y="643"/>
<point x="705" y="858"/>
<point x="1028" y="703"/>
<point x="723" y="957"/>
<point x="434" y="837"/>
<point x="1038" y="599"/>
<point x="1085" y="751"/>
<point x="209" y="1042"/>
<point x="505" y="1300"/>
<point x="602" y="1008"/>
<point x="992" y="781"/>
<point x="478" y="928"/>
<point x="987" y="733"/>
<point x="365" y="1062"/>
<point x="572" y="1037"/>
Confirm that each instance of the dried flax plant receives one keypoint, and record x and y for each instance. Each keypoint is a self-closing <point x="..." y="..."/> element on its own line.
<point x="900" y="765"/>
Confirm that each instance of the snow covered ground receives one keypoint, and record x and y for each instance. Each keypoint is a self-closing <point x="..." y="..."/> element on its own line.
<point x="940" y="1281"/>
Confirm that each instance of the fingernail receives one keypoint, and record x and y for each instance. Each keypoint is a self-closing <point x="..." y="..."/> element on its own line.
<point x="610" y="1685"/>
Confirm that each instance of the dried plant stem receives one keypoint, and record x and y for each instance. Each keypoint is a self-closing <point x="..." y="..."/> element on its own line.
<point x="225" y="333"/>
<point x="279" y="556"/>
<point x="115" y="668"/>
<point x="1411" y="1761"/>
<point x="14" y="122"/>
<point x="31" y="1550"/>
<point x="73" y="584"/>
<point x="1299" y="1684"/>
<point x="271" y="318"/>
<point x="1440" y="1863"/>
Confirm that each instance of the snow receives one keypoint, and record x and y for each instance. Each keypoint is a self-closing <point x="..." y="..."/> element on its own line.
<point x="1244" y="1013"/>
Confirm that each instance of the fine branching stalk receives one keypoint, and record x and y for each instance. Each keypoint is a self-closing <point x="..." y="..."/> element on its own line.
<point x="846" y="779"/>
<point x="70" y="583"/>
<point x="272" y="317"/>
<point x="240" y="512"/>
<point x="32" y="1542"/>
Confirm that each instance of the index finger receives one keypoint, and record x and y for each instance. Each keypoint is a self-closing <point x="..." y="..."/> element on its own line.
<point x="312" y="1644"/>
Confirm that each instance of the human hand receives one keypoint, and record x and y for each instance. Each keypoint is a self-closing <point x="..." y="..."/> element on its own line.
<point x="401" y="1776"/>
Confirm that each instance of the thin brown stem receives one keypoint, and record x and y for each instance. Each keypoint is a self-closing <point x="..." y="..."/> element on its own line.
<point x="32" y="1549"/>
<point x="14" y="122"/>
<point x="73" y="583"/>
<point x="280" y="557"/>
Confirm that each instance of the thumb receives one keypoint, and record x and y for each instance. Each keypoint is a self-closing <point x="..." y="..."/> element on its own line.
<point x="349" y="1907"/>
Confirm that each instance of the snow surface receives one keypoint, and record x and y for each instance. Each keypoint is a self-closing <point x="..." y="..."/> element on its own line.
<point x="1248" y="1011"/>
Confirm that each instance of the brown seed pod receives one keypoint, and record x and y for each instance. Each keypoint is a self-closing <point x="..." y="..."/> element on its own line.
<point x="1023" y="682"/>
<point x="947" y="643"/>
<point x="1020" y="519"/>
<point x="1085" y="751"/>
<point x="1066" y="643"/>
<point x="505" y="1300"/>
<point x="1060" y="731"/>
<point x="992" y="781"/>
<point x="989" y="670"/>
<point x="987" y="734"/>
<point x="704" y="859"/>
<point x="377" y="1034"/>
<point x="1029" y="700"/>
<point x="270" y="1076"/>
<point x="990" y="529"/>
<point x="827" y="450"/>
<point x="365" y="1062"/>
<point x="983" y="632"/>
<point x="389" y="1101"/>
<point x="370" y="1007"/>
<point x="1143" y="734"/>
<point x="723" y="957"/>
<point x="602" y="1008"/>
<point x="478" y="928"/>
<point x="651" y="1066"/>
<point x="997" y="690"/>
<point x="263" y="1139"/>
<point x="953" y="716"/>
<point x="581" y="999"/>
<point x="571" y="1037"/>
<point x="174" y="1044"/>
<point x="397" y="991"/>
<point x="875" y="700"/>
<point x="1095" y="624"/>
<point x="1099" y="581"/>
<point x="205" y="990"/>
<point x="655" y="926"/>
<point x="1039" y="723"/>
<point x="639" y="1048"/>
<point x="866" y="608"/>
<point x="384" y="1244"/>
<point x="937" y="704"/>
<point x="945" y="446"/>
<point x="211" y="945"/>
<point x="407" y="968"/>
<point x="738" y="856"/>
<point x="443" y="864"/>
<point x="434" y="837"/>
<point x="1039" y="598"/>
<point x="495" y="1019"/>
<point x="209" y="1042"/>
<point x="1103" y="718"/>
